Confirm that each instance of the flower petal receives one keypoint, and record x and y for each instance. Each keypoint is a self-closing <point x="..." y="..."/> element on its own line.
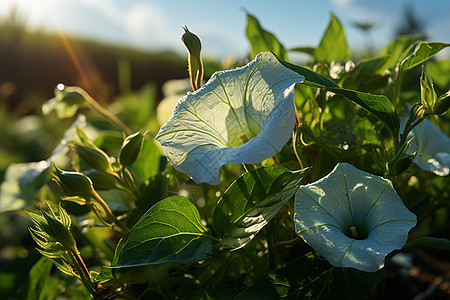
<point x="205" y="129"/>
<point x="325" y="210"/>
<point x="433" y="148"/>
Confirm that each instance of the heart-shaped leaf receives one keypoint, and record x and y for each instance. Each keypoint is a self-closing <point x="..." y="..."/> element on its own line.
<point x="251" y="202"/>
<point x="171" y="231"/>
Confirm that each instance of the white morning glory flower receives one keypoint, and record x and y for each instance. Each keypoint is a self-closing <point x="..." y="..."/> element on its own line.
<point x="243" y="115"/>
<point x="352" y="218"/>
<point x="433" y="148"/>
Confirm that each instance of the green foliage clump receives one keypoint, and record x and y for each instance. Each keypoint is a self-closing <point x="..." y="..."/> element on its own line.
<point x="129" y="225"/>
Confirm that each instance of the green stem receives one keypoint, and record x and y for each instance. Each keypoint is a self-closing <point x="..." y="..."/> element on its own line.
<point x="108" y="212"/>
<point x="128" y="179"/>
<point x="212" y="238"/>
<point x="398" y="85"/>
<point x="126" y="185"/>
<point x="286" y="243"/>
<point x="270" y="245"/>
<point x="408" y="130"/>
<point x="97" y="213"/>
<point x="100" y="110"/>
<point x="131" y="193"/>
<point x="82" y="270"/>
<point x="294" y="144"/>
<point x="398" y="78"/>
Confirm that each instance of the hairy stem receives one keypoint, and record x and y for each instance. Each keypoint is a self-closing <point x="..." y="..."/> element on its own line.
<point x="82" y="270"/>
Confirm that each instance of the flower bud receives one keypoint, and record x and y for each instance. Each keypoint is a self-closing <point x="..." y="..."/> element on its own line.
<point x="74" y="183"/>
<point x="442" y="104"/>
<point x="94" y="157"/>
<point x="131" y="148"/>
<point x="427" y="93"/>
<point x="59" y="232"/>
<point x="100" y="180"/>
<point x="194" y="47"/>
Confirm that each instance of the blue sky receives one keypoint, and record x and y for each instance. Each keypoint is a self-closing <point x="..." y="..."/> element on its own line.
<point x="157" y="24"/>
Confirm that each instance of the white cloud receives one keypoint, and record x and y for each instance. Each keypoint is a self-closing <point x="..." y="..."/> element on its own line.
<point x="143" y="24"/>
<point x="343" y="2"/>
<point x="142" y="17"/>
<point x="105" y="8"/>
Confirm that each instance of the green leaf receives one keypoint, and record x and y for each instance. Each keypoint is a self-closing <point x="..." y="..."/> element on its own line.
<point x="422" y="52"/>
<point x="262" y="40"/>
<point x="367" y="75"/>
<point x="37" y="280"/>
<point x="171" y="231"/>
<point x="63" y="266"/>
<point x="395" y="50"/>
<point x="333" y="45"/>
<point x="251" y="202"/>
<point x="151" y="191"/>
<point x="311" y="78"/>
<point x="309" y="276"/>
<point x="148" y="161"/>
<point x="82" y="136"/>
<point x="378" y="105"/>
<point x="436" y="243"/>
<point x="307" y="50"/>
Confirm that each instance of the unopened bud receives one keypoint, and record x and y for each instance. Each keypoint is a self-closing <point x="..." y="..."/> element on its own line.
<point x="59" y="232"/>
<point x="195" y="63"/>
<point x="94" y="157"/>
<point x="427" y="93"/>
<point x="415" y="112"/>
<point x="442" y="104"/>
<point x="74" y="183"/>
<point x="131" y="148"/>
<point x="100" y="180"/>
